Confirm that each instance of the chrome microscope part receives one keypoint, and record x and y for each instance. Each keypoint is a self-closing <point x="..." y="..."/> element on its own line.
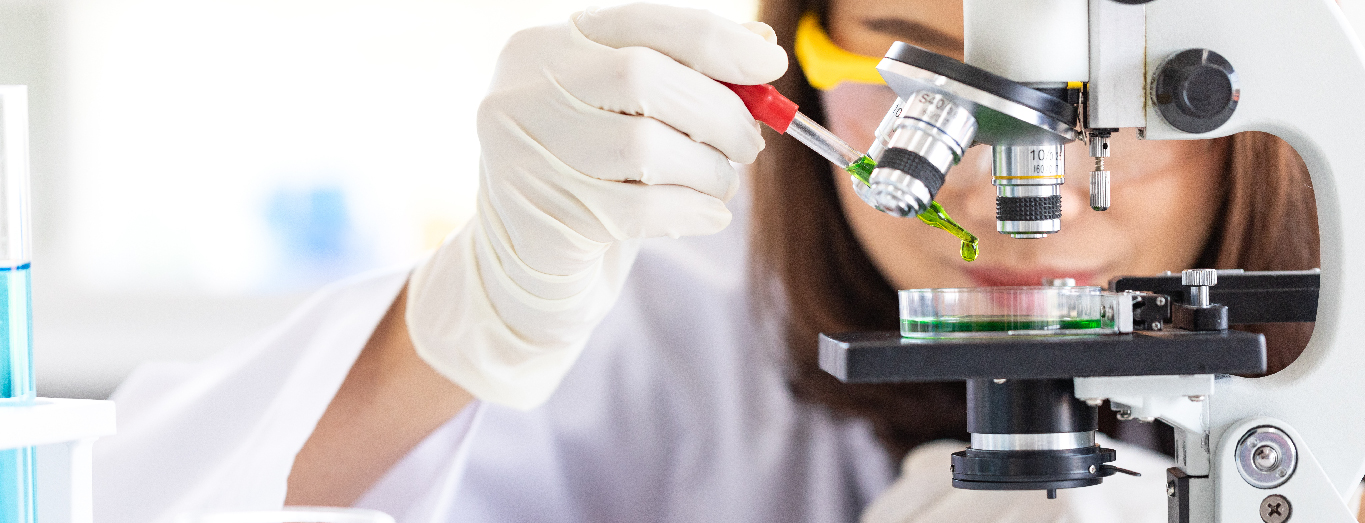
<point x="1199" y="313"/>
<point x="1028" y="181"/>
<point x="1099" y="178"/>
<point x="944" y="107"/>
<point x="923" y="141"/>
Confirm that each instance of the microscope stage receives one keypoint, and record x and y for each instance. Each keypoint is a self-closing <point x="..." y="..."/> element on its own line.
<point x="886" y="357"/>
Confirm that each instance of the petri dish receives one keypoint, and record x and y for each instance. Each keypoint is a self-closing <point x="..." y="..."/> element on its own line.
<point x="1000" y="311"/>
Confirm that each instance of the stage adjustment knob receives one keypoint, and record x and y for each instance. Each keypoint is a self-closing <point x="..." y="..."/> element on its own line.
<point x="1196" y="90"/>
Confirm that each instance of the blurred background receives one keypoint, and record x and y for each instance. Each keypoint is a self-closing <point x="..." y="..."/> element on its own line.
<point x="199" y="167"/>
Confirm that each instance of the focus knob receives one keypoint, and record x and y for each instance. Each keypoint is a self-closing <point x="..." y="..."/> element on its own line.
<point x="1199" y="277"/>
<point x="1196" y="90"/>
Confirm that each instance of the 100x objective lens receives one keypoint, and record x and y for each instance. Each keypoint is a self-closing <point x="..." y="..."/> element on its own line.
<point x="1028" y="182"/>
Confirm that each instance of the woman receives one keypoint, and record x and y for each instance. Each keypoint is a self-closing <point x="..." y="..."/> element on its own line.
<point x="696" y="394"/>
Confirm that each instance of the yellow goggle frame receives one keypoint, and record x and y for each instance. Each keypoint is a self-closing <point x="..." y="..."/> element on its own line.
<point x="825" y="63"/>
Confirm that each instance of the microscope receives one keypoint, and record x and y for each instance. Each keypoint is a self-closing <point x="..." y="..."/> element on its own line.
<point x="1039" y="74"/>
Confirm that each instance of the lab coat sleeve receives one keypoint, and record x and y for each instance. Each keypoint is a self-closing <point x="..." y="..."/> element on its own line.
<point x="222" y="434"/>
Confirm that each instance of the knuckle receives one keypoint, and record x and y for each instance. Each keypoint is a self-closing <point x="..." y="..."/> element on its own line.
<point x="632" y="71"/>
<point x="634" y="148"/>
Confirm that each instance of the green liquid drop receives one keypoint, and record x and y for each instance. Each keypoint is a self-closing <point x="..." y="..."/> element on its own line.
<point x="935" y="216"/>
<point x="990" y="324"/>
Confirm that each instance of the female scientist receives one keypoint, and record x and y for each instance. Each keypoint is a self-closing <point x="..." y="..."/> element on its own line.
<point x="554" y="361"/>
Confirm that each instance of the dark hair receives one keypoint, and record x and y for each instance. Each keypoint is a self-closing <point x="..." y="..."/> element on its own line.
<point x="802" y="242"/>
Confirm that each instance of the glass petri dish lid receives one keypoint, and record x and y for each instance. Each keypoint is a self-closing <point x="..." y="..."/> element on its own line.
<point x="999" y="311"/>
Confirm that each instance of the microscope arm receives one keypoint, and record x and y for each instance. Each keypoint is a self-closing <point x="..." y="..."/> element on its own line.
<point x="1301" y="71"/>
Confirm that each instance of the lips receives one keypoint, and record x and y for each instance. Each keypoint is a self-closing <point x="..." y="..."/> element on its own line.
<point x="1001" y="277"/>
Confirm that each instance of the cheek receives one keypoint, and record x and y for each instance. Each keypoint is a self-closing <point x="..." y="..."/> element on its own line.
<point x="1168" y="204"/>
<point x="853" y="111"/>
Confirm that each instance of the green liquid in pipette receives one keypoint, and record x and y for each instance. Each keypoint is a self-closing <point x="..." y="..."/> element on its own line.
<point x="862" y="169"/>
<point x="935" y="216"/>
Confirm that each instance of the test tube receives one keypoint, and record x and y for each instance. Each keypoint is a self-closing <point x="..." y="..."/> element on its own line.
<point x="17" y="496"/>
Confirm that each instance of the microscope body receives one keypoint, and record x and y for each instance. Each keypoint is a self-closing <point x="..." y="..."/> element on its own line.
<point x="1278" y="448"/>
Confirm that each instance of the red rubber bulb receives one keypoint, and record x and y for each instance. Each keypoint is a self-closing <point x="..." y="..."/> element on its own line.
<point x="766" y="105"/>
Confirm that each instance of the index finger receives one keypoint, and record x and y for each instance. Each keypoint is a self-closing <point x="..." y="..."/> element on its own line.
<point x="699" y="39"/>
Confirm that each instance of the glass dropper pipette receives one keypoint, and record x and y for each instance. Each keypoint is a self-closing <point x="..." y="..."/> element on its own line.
<point x="767" y="105"/>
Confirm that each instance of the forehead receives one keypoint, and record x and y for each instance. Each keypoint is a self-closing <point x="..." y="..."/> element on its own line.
<point x="869" y="27"/>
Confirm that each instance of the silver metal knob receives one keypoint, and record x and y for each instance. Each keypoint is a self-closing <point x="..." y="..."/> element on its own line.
<point x="1200" y="277"/>
<point x="1099" y="178"/>
<point x="1199" y="281"/>
<point x="1099" y="145"/>
<point x="1099" y="190"/>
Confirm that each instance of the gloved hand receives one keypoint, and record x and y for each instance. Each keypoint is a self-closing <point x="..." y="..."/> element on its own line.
<point x="595" y="133"/>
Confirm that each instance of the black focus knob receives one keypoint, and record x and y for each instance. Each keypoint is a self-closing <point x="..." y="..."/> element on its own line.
<point x="1196" y="90"/>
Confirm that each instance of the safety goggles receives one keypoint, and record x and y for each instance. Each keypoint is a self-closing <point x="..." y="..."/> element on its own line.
<point x="825" y="63"/>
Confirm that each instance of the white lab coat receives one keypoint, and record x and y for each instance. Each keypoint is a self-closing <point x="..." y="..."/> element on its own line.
<point x="677" y="411"/>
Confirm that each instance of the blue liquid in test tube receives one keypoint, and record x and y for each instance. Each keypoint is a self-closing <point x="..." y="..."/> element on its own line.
<point x="18" y="501"/>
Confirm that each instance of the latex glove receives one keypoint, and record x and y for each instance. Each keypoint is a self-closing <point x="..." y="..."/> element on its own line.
<point x="595" y="133"/>
<point x="924" y="493"/>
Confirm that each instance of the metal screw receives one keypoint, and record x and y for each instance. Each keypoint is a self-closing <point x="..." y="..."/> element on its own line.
<point x="1265" y="458"/>
<point x="1125" y="414"/>
<point x="999" y="381"/>
<point x="1196" y="399"/>
<point x="1093" y="469"/>
<point x="1276" y="509"/>
<point x="1156" y="325"/>
<point x="1161" y="300"/>
<point x="1170" y="488"/>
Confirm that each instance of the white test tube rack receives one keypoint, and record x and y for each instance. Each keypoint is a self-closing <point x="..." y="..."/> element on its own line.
<point x="64" y="432"/>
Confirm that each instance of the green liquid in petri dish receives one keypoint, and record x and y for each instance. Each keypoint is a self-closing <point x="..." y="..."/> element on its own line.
<point x="949" y="325"/>
<point x="935" y="216"/>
